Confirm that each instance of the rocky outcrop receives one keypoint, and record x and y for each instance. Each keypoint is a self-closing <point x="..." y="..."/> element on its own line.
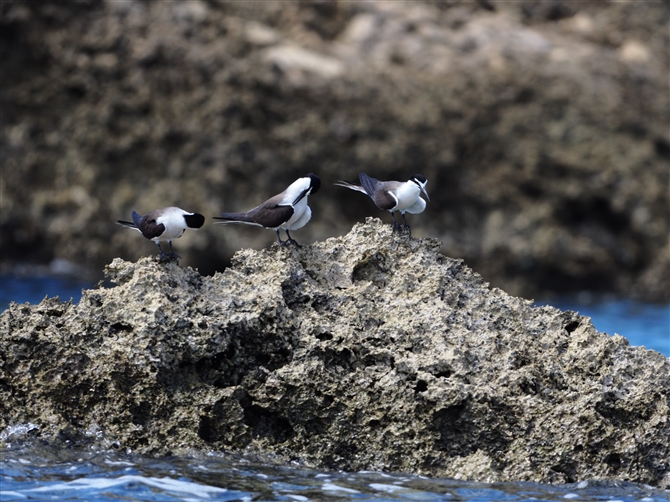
<point x="542" y="127"/>
<point x="368" y="351"/>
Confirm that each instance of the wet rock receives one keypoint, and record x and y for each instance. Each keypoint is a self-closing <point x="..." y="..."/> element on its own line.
<point x="367" y="351"/>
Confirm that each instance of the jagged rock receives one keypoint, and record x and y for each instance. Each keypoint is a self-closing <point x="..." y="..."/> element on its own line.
<point x="368" y="351"/>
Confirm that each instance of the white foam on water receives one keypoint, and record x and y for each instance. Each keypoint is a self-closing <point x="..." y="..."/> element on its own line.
<point x="165" y="484"/>
<point x="299" y="498"/>
<point x="571" y="496"/>
<point x="118" y="462"/>
<point x="11" y="495"/>
<point x="386" y="488"/>
<point x="331" y="487"/>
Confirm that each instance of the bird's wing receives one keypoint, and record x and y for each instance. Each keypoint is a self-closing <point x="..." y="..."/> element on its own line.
<point x="270" y="214"/>
<point x="148" y="226"/>
<point x="369" y="184"/>
<point x="137" y="219"/>
<point x="384" y="199"/>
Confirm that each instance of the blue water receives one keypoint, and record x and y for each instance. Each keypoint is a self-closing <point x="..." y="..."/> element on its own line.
<point x="32" y="471"/>
<point x="641" y="323"/>
<point x="33" y="289"/>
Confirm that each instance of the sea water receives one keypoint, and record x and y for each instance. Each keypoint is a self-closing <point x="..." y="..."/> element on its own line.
<point x="48" y="473"/>
<point x="30" y="470"/>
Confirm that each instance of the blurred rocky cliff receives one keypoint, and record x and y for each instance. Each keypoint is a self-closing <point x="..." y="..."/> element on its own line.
<point x="541" y="126"/>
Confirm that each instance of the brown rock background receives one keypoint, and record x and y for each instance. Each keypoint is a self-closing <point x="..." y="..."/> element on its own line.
<point x="542" y="127"/>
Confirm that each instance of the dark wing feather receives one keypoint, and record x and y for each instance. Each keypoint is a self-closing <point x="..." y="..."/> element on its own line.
<point x="137" y="219"/>
<point x="374" y="188"/>
<point x="148" y="226"/>
<point x="384" y="200"/>
<point x="368" y="183"/>
<point x="271" y="215"/>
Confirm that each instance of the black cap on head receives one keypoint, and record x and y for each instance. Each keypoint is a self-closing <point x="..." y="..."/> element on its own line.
<point x="315" y="184"/>
<point x="195" y="220"/>
<point x="420" y="178"/>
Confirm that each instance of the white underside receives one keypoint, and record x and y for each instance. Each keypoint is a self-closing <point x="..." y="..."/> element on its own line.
<point x="174" y="222"/>
<point x="417" y="207"/>
<point x="408" y="198"/>
<point x="299" y="220"/>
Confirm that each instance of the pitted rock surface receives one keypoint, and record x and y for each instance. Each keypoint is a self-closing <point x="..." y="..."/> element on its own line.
<point x="368" y="351"/>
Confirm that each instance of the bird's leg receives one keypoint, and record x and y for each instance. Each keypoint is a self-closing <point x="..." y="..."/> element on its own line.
<point x="291" y="239"/>
<point x="162" y="255"/>
<point x="409" y="230"/>
<point x="281" y="242"/>
<point x="172" y="253"/>
<point x="396" y="225"/>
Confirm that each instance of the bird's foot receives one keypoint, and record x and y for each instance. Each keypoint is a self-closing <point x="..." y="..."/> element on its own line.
<point x="290" y="241"/>
<point x="409" y="230"/>
<point x="397" y="227"/>
<point x="168" y="257"/>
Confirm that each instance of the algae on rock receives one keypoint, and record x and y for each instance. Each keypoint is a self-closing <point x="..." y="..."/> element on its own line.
<point x="368" y="351"/>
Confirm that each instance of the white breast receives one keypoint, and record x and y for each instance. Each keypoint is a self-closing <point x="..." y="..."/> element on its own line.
<point x="174" y="222"/>
<point x="407" y="195"/>
<point x="417" y="207"/>
<point x="299" y="211"/>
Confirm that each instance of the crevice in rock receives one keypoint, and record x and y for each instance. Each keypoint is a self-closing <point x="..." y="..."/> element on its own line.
<point x="267" y="424"/>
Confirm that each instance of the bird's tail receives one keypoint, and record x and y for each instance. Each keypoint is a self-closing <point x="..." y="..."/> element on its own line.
<point x="128" y="224"/>
<point x="350" y="186"/>
<point x="233" y="218"/>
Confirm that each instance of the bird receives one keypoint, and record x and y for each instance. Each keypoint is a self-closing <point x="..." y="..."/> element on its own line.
<point x="287" y="210"/>
<point x="393" y="195"/>
<point x="164" y="225"/>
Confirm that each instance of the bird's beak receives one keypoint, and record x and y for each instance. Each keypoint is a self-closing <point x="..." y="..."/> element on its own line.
<point x="423" y="191"/>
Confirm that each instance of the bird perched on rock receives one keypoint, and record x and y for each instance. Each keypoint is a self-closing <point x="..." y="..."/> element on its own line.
<point x="287" y="210"/>
<point x="393" y="195"/>
<point x="164" y="225"/>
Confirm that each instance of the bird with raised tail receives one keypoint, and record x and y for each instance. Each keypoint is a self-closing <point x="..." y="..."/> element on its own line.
<point x="392" y="196"/>
<point x="164" y="225"/>
<point x="287" y="210"/>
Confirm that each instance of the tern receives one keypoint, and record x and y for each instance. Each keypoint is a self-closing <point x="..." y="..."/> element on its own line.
<point x="164" y="225"/>
<point x="287" y="210"/>
<point x="393" y="195"/>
